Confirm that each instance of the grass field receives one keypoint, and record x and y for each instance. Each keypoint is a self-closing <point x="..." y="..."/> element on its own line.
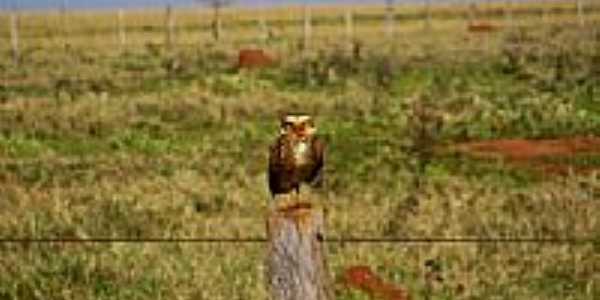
<point x="146" y="141"/>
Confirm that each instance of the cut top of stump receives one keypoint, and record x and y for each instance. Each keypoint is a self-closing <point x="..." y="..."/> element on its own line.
<point x="303" y="214"/>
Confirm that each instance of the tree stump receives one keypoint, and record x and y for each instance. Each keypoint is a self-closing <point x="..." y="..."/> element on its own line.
<point x="295" y="264"/>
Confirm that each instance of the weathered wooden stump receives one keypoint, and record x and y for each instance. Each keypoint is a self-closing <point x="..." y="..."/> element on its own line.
<point x="295" y="264"/>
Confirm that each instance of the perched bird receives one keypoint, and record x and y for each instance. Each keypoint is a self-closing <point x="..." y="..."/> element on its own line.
<point x="296" y="156"/>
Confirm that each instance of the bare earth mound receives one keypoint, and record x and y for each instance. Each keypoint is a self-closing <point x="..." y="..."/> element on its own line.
<point x="550" y="155"/>
<point x="364" y="279"/>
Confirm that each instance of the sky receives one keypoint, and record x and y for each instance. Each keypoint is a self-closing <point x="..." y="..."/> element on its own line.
<point x="87" y="4"/>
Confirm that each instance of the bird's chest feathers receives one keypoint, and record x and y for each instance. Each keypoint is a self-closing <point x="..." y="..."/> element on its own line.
<point x="295" y="152"/>
<point x="300" y="152"/>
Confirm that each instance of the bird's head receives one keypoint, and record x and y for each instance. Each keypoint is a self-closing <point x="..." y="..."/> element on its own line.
<point x="298" y="125"/>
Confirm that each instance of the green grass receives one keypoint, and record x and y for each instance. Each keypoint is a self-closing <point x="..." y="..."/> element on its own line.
<point x="151" y="143"/>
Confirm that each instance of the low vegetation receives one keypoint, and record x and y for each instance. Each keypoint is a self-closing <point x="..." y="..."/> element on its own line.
<point x="155" y="143"/>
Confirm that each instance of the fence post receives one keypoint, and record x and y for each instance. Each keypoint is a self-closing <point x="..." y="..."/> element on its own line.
<point x="307" y="26"/>
<point x="544" y="13"/>
<point x="389" y="18"/>
<point x="121" y="29"/>
<point x="263" y="28"/>
<point x="169" y="27"/>
<point x="427" y="14"/>
<point x="508" y="15"/>
<point x="217" y="29"/>
<point x="349" y="22"/>
<point x="64" y="22"/>
<point x="14" y="36"/>
<point x="472" y="13"/>
<point x="295" y="264"/>
<point x="580" y="12"/>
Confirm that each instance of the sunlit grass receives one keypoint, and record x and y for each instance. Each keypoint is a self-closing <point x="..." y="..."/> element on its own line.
<point x="99" y="141"/>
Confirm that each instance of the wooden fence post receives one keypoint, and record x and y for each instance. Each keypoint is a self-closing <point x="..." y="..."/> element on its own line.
<point x="121" y="29"/>
<point x="263" y="28"/>
<point x="427" y="14"/>
<point x="580" y="13"/>
<point x="217" y="26"/>
<point x="389" y="18"/>
<point x="14" y="36"/>
<point x="307" y="27"/>
<point x="472" y="13"/>
<point x="544" y="14"/>
<point x="64" y="22"/>
<point x="169" y="27"/>
<point x="349" y="22"/>
<point x="508" y="14"/>
<point x="295" y="264"/>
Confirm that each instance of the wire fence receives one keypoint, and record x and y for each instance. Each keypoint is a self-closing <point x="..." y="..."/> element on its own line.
<point x="502" y="270"/>
<point x="192" y="26"/>
<point x="417" y="236"/>
<point x="336" y="240"/>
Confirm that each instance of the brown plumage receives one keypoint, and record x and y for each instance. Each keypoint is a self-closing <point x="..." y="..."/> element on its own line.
<point x="296" y="157"/>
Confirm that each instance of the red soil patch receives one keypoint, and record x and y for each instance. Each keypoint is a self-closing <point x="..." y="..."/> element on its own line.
<point x="482" y="26"/>
<point x="534" y="152"/>
<point x="520" y="149"/>
<point x="363" y="278"/>
<point x="254" y="58"/>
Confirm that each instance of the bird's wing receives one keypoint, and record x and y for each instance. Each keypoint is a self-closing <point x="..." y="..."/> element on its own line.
<point x="274" y="167"/>
<point x="318" y="152"/>
<point x="274" y="153"/>
<point x="281" y="177"/>
<point x="318" y="147"/>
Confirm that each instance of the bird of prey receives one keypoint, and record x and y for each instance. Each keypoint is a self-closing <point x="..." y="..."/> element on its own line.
<point x="296" y="156"/>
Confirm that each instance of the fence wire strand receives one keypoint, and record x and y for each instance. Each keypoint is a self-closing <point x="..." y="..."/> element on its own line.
<point x="338" y="240"/>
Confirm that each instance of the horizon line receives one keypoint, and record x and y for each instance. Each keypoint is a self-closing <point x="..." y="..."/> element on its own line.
<point x="255" y="4"/>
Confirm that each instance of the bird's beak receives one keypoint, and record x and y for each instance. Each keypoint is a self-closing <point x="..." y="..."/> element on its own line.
<point x="300" y="132"/>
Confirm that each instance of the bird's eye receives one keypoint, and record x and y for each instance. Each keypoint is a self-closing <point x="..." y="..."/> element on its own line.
<point x="287" y="125"/>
